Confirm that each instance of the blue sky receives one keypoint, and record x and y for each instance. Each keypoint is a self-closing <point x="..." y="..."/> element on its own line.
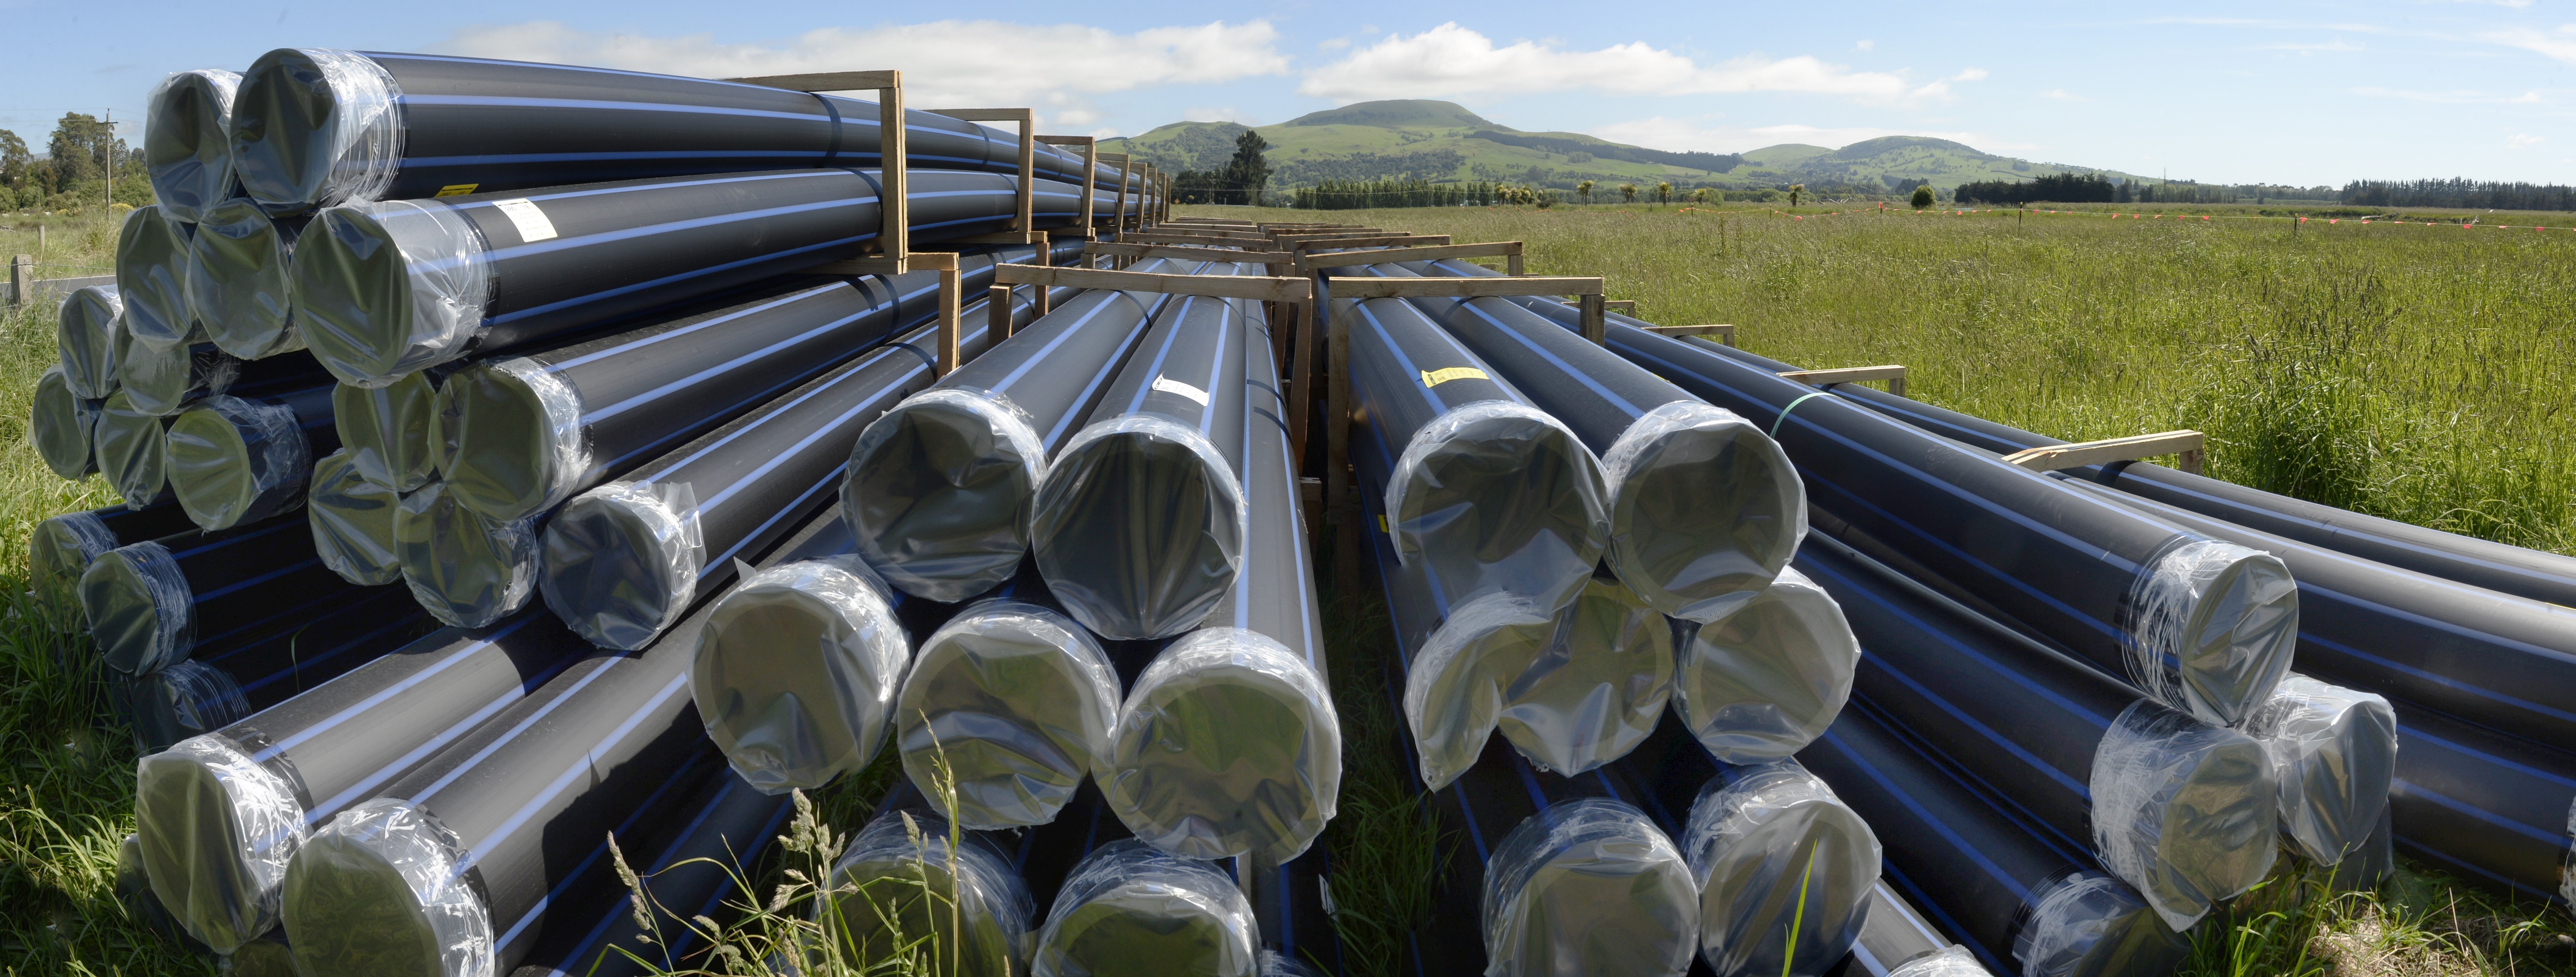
<point x="2302" y="93"/>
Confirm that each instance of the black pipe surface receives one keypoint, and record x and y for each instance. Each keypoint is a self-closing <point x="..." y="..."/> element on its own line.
<point x="237" y="460"/>
<point x="60" y="549"/>
<point x="156" y="602"/>
<point x="224" y="687"/>
<point x="687" y="857"/>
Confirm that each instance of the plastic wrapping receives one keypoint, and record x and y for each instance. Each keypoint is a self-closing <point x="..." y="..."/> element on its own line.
<point x="1705" y="509"/>
<point x="1588" y="887"/>
<point x="795" y="672"/>
<point x="59" y="550"/>
<point x="2212" y="627"/>
<point x="2334" y="752"/>
<point x="151" y="276"/>
<point x="1453" y="690"/>
<point x="234" y="461"/>
<point x="526" y="450"/>
<point x="1949" y="961"/>
<point x="126" y="441"/>
<point x="1018" y="701"/>
<point x="63" y="425"/>
<point x="2183" y="811"/>
<point x="1129" y="910"/>
<point x="622" y="561"/>
<point x="1778" y="857"/>
<point x="314" y="127"/>
<point x="182" y="700"/>
<point x="89" y="334"/>
<point x="240" y="268"/>
<point x="467" y="571"/>
<point x="386" y="883"/>
<point x="1227" y="745"/>
<point x="1766" y="680"/>
<point x="1498" y="496"/>
<point x="217" y="830"/>
<point x="389" y="430"/>
<point x="963" y="903"/>
<point x="2070" y="917"/>
<point x="1597" y="688"/>
<point x="134" y="894"/>
<point x="187" y="140"/>
<point x="165" y="382"/>
<point x="945" y="445"/>
<point x="1139" y="526"/>
<point x="353" y="522"/>
<point x="139" y="607"/>
<point x="418" y="269"/>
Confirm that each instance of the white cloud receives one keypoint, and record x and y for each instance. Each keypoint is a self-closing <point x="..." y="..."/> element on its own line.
<point x="2063" y="95"/>
<point x="2523" y="140"/>
<point x="1660" y="132"/>
<point x="1453" y="60"/>
<point x="945" y="63"/>
<point x="2337" y="44"/>
<point x="1972" y="74"/>
<point x="1333" y="44"/>
<point x="1227" y="114"/>
<point x="2458" y="97"/>
<point x="2560" y="45"/>
<point x="1866" y="45"/>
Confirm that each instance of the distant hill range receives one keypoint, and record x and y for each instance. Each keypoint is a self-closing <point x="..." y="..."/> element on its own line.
<point x="1436" y="140"/>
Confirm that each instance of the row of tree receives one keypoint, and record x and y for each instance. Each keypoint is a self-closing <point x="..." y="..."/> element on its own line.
<point x="1239" y="181"/>
<point x="2066" y="188"/>
<point x="2465" y="194"/>
<point x="78" y="159"/>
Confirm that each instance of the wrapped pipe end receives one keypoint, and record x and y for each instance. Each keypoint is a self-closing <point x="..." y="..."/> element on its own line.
<point x="64" y="426"/>
<point x="1139" y="527"/>
<point x="384" y="891"/>
<point x="2182" y="810"/>
<point x="1498" y="496"/>
<point x="315" y="126"/>
<point x="509" y="436"/>
<point x="1766" y="680"/>
<point x="1018" y="702"/>
<point x="217" y="831"/>
<point x="901" y="868"/>
<point x="1129" y="909"/>
<point x="2334" y="753"/>
<point x="181" y="700"/>
<point x="465" y="570"/>
<point x="59" y="550"/>
<point x="2212" y="628"/>
<point x="1704" y="509"/>
<point x="151" y="276"/>
<point x="1589" y="887"/>
<point x="1774" y="851"/>
<point x="90" y="334"/>
<point x="128" y="442"/>
<point x="939" y="492"/>
<point x="1453" y="691"/>
<point x="139" y="608"/>
<point x="353" y="522"/>
<point x="2086" y="924"/>
<point x="1949" y="961"/>
<point x="1227" y="745"/>
<point x="238" y="279"/>
<point x="233" y="461"/>
<point x="390" y="431"/>
<point x="384" y="289"/>
<point x="621" y="561"/>
<point x="796" y="670"/>
<point x="1597" y="688"/>
<point x="187" y="147"/>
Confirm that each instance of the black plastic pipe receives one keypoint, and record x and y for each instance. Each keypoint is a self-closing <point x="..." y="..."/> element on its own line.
<point x="237" y="460"/>
<point x="522" y="434"/>
<point x="468" y="571"/>
<point x="157" y="602"/>
<point x="221" y="815"/>
<point x="166" y="381"/>
<point x="187" y="143"/>
<point x="687" y="857"/>
<point x="60" y="549"/>
<point x="315" y="127"/>
<point x="89" y="333"/>
<point x="2491" y="809"/>
<point x="151" y="275"/>
<point x="220" y="688"/>
<point x="386" y="288"/>
<point x="63" y="425"/>
<point x="238" y="279"/>
<point x="353" y="522"/>
<point x="126" y="446"/>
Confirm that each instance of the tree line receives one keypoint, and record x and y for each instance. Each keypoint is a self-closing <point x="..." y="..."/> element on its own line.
<point x="2067" y="188"/>
<point x="77" y="161"/>
<point x="2460" y="193"/>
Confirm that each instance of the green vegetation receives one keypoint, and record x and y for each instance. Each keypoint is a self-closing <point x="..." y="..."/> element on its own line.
<point x="78" y="160"/>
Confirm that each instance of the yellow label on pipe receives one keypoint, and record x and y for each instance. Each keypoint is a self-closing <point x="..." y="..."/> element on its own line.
<point x="456" y="190"/>
<point x="1434" y="378"/>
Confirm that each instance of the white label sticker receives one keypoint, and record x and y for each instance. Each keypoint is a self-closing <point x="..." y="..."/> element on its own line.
<point x="1171" y="386"/>
<point x="533" y="225"/>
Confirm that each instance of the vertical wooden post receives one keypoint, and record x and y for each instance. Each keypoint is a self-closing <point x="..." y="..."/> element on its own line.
<point x="1512" y="265"/>
<point x="1596" y="326"/>
<point x="1027" y="221"/>
<point x="22" y="277"/>
<point x="1341" y="504"/>
<point x="997" y="312"/>
<point x="896" y="237"/>
<point x="1301" y="375"/>
<point x="2190" y="461"/>
<point x="949" y="327"/>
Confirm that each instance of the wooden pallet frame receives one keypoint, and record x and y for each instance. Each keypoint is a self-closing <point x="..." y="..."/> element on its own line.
<point x="1090" y="162"/>
<point x="2186" y="443"/>
<point x="1724" y="332"/>
<point x="1023" y="220"/>
<point x="1893" y="373"/>
<point x="1509" y="251"/>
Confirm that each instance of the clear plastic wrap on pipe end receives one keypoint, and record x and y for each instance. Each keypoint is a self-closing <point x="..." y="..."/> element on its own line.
<point x="1498" y="496"/>
<point x="1588" y="887"/>
<point x="233" y="461"/>
<point x="390" y="431"/>
<point x="939" y="490"/>
<point x="64" y="426"/>
<point x="2086" y="924"/>
<point x="1774" y="851"/>
<point x="134" y="893"/>
<point x="128" y="445"/>
<point x="1597" y="688"/>
<point x="217" y="831"/>
<point x="1227" y="745"/>
<point x="621" y="561"/>
<point x="165" y="381"/>
<point x="902" y="869"/>
<point x="384" y="891"/>
<point x="2212" y="627"/>
<point x="315" y="126"/>
<point x="239" y="277"/>
<point x="1139" y="526"/>
<point x="269" y="957"/>
<point x="139" y="607"/>
<point x="384" y="289"/>
<point x="185" y="699"/>
<point x="796" y="670"/>
<point x="2182" y="810"/>
<point x="1453" y="691"/>
<point x="1704" y="508"/>
<point x="509" y="438"/>
<point x="353" y="523"/>
<point x="59" y="550"/>
<point x="1129" y="910"/>
<point x="465" y="570"/>
<point x="187" y="140"/>
<point x="1949" y="961"/>
<point x="89" y="333"/>
<point x="1766" y="680"/>
<point x="151" y="276"/>
<point x="2334" y="753"/>
<point x="1018" y="702"/>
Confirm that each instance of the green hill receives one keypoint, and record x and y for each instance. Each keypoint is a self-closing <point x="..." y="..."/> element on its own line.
<point x="1441" y="141"/>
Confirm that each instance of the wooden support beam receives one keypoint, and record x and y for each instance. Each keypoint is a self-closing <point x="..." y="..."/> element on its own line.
<point x="949" y="326"/>
<point x="1626" y="307"/>
<point x="1589" y="320"/>
<point x="1022" y="219"/>
<point x="894" y="203"/>
<point x="1413" y="288"/>
<point x="1725" y="333"/>
<point x="2188" y="444"/>
<point x="1255" y="287"/>
<point x="1134" y="251"/>
<point x="1892" y="373"/>
<point x="1432" y="252"/>
<point x="827" y="81"/>
<point x="1090" y="162"/>
<point x="1161" y="236"/>
<point x="997" y="312"/>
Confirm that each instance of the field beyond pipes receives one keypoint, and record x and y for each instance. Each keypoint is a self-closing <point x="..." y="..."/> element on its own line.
<point x="2422" y="373"/>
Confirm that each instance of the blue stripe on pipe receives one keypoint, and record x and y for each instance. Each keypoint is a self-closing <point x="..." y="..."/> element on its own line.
<point x="210" y="545"/>
<point x="807" y="157"/>
<point x="750" y="856"/>
<point x="1998" y="667"/>
<point x="1529" y="781"/>
<point x="2466" y="868"/>
<point x="336" y="651"/>
<point x="1987" y="731"/>
<point x="1558" y="361"/>
<point x="1429" y="395"/>
<point x="1224" y="338"/>
<point x="506" y="738"/>
<point x="1922" y="898"/>
<point x="2403" y="787"/>
<point x="683" y="276"/>
<point x="828" y="427"/>
<point x="1155" y="369"/>
<point x="563" y="781"/>
<point x="538" y="911"/>
<point x="2388" y="541"/>
<point x="794" y="508"/>
<point x="697" y="327"/>
<point x="249" y="581"/>
<point x="2437" y="678"/>
<point x="2483" y="757"/>
<point x="701" y="376"/>
<point x="655" y="866"/>
<point x="301" y="736"/>
<point x="649" y="230"/>
<point x="1992" y="870"/>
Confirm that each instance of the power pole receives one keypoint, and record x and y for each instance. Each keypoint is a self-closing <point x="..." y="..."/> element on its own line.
<point x="110" y="148"/>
